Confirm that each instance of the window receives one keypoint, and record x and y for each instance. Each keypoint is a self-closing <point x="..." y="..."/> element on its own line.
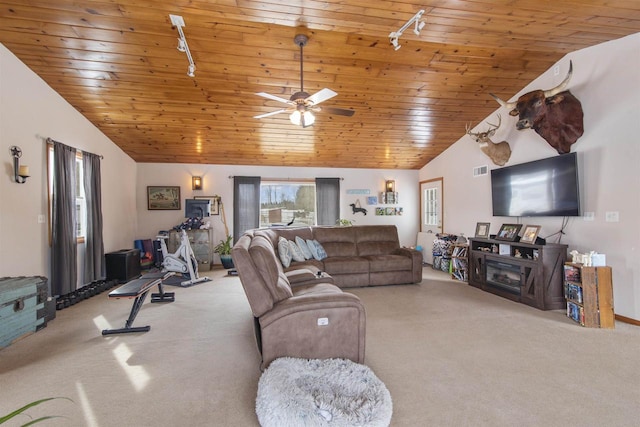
<point x="431" y="206"/>
<point x="81" y="205"/>
<point x="287" y="203"/>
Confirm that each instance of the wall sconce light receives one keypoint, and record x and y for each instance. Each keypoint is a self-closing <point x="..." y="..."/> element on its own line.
<point x="390" y="186"/>
<point x="20" y="173"/>
<point x="178" y="22"/>
<point x="196" y="182"/>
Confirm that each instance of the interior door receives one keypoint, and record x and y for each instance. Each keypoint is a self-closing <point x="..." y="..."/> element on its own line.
<point x="431" y="208"/>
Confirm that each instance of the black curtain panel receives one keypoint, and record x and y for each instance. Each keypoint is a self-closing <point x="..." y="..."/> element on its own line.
<point x="246" y="204"/>
<point x="94" y="261"/>
<point x="328" y="200"/>
<point x="64" y="250"/>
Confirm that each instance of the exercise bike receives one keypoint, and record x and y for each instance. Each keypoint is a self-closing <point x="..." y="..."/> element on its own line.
<point x="183" y="260"/>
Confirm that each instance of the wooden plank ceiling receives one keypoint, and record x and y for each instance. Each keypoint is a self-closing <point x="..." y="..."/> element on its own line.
<point x="116" y="62"/>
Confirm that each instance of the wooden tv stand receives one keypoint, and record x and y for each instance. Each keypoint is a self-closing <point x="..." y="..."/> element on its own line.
<point x="528" y="273"/>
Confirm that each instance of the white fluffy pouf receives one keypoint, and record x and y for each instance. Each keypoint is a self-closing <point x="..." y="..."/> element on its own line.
<point x="329" y="393"/>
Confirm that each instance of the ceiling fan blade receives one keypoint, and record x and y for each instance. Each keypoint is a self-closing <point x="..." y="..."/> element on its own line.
<point x="339" y="111"/>
<point x="273" y="97"/>
<point x="273" y="113"/>
<point x="320" y="96"/>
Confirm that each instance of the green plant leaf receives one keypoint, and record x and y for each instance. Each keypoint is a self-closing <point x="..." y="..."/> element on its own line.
<point x="27" y="406"/>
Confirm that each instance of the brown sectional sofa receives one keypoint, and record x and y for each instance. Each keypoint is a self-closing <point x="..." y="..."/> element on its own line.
<point x="363" y="255"/>
<point x="299" y="313"/>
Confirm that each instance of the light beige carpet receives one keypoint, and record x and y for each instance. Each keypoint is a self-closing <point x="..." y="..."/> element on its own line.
<point x="450" y="355"/>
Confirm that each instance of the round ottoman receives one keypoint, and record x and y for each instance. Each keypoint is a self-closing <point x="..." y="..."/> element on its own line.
<point x="330" y="392"/>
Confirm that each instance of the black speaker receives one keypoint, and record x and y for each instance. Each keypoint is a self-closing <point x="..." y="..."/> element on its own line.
<point x="123" y="265"/>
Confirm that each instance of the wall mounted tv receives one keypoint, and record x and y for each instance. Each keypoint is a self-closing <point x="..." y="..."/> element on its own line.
<point x="197" y="208"/>
<point x="547" y="187"/>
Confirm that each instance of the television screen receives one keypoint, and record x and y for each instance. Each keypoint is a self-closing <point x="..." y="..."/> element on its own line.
<point x="547" y="187"/>
<point x="197" y="208"/>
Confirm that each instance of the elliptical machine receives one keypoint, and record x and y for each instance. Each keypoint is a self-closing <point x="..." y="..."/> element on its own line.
<point x="183" y="260"/>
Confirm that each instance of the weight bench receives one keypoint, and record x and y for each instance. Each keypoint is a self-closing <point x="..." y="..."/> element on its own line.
<point x="138" y="289"/>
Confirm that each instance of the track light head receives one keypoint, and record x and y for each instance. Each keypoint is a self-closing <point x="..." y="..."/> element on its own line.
<point x="181" y="45"/>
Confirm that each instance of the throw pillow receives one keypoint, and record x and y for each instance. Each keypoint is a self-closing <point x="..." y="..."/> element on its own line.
<point x="303" y="247"/>
<point x="317" y="250"/>
<point x="296" y="253"/>
<point x="284" y="252"/>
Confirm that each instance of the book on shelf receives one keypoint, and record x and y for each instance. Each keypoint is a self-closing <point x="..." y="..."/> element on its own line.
<point x="573" y="292"/>
<point x="575" y="312"/>
<point x="571" y="273"/>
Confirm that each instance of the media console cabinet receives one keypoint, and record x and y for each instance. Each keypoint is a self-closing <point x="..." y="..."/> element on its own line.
<point x="528" y="273"/>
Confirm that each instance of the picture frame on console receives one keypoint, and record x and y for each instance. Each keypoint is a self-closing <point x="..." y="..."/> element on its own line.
<point x="215" y="203"/>
<point x="530" y="233"/>
<point x="482" y="230"/>
<point x="508" y="232"/>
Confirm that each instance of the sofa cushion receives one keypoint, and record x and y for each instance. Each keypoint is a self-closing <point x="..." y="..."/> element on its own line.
<point x="344" y="265"/>
<point x="376" y="240"/>
<point x="266" y="264"/>
<point x="296" y="252"/>
<point x="284" y="252"/>
<point x="380" y="263"/>
<point x="302" y="244"/>
<point x="316" y="249"/>
<point x="337" y="241"/>
<point x="259" y="296"/>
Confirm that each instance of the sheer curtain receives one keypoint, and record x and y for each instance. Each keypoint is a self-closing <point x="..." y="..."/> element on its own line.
<point x="328" y="200"/>
<point x="64" y="275"/>
<point x="94" y="261"/>
<point x="246" y="204"/>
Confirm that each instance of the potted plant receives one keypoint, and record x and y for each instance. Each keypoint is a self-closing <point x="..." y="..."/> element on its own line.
<point x="224" y="250"/>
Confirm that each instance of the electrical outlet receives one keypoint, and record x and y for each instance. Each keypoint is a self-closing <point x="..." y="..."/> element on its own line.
<point x="589" y="216"/>
<point x="323" y="321"/>
<point x="40" y="219"/>
<point x="613" y="216"/>
<point x="556" y="70"/>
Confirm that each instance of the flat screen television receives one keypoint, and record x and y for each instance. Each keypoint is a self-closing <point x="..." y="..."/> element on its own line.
<point x="547" y="187"/>
<point x="197" y="208"/>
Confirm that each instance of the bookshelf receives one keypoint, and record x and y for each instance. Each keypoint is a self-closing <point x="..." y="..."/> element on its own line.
<point x="459" y="268"/>
<point x="589" y="295"/>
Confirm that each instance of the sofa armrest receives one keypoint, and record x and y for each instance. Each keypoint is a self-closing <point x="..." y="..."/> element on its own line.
<point x="318" y="324"/>
<point x="416" y="258"/>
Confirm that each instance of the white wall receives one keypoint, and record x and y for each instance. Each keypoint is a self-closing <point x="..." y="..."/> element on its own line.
<point x="607" y="82"/>
<point x="30" y="111"/>
<point x="217" y="182"/>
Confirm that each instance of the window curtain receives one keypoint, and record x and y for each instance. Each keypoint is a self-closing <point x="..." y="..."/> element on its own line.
<point x="94" y="261"/>
<point x="64" y="275"/>
<point x="328" y="200"/>
<point x="246" y="204"/>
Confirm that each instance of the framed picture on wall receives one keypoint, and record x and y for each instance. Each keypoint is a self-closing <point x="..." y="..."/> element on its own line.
<point x="215" y="203"/>
<point x="530" y="233"/>
<point x="163" y="198"/>
<point x="482" y="229"/>
<point x="508" y="232"/>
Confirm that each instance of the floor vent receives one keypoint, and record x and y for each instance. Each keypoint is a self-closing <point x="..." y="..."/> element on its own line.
<point x="480" y="171"/>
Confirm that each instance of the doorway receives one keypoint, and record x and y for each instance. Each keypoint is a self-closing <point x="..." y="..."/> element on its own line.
<point x="431" y="209"/>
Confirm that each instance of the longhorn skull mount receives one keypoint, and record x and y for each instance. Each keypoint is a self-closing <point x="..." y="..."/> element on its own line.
<point x="499" y="152"/>
<point x="555" y="114"/>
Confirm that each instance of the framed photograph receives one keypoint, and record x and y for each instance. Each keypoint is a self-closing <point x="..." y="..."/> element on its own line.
<point x="508" y="232"/>
<point x="530" y="233"/>
<point x="215" y="203"/>
<point x="163" y="198"/>
<point x="482" y="229"/>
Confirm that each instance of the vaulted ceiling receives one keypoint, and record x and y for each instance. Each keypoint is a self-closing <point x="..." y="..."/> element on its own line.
<point x="116" y="62"/>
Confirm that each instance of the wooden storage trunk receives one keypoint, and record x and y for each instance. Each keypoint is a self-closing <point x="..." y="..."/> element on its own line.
<point x="22" y="302"/>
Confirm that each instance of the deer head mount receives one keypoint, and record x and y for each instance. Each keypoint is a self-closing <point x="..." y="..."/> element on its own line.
<point x="500" y="152"/>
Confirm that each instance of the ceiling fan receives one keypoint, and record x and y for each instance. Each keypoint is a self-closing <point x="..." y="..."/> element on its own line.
<point x="301" y="104"/>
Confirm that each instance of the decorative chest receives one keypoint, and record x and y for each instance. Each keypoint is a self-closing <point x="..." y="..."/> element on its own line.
<point x="22" y="307"/>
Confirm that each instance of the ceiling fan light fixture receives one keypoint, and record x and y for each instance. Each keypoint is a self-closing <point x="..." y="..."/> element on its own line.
<point x="304" y="119"/>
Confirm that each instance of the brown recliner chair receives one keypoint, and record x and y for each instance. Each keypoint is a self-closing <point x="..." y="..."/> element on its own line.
<point x="314" y="320"/>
